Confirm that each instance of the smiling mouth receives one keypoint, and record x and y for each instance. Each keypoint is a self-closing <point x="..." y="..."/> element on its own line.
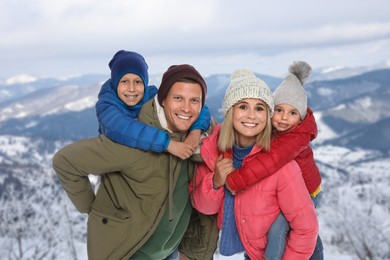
<point x="249" y="124"/>
<point x="131" y="96"/>
<point x="183" y="117"/>
<point x="283" y="125"/>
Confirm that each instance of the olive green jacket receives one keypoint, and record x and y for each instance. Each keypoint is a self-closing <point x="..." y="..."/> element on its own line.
<point x="135" y="190"/>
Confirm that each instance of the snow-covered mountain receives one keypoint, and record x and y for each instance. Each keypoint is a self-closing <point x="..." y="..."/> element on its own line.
<point x="340" y="72"/>
<point x="39" y="116"/>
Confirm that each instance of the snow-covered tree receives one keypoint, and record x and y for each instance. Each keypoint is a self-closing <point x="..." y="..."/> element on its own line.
<point x="34" y="218"/>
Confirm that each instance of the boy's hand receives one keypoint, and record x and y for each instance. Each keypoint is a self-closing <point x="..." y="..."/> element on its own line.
<point x="180" y="149"/>
<point x="223" y="167"/>
<point x="193" y="138"/>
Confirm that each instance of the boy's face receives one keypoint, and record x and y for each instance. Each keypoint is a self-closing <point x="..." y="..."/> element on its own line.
<point x="130" y="89"/>
<point x="285" y="117"/>
<point x="182" y="106"/>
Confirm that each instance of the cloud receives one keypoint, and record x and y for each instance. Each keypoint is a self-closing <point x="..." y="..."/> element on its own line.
<point x="61" y="33"/>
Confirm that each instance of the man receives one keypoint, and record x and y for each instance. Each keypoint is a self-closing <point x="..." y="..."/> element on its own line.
<point x="142" y="208"/>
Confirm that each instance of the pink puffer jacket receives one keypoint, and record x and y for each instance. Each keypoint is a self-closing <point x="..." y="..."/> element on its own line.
<point x="257" y="207"/>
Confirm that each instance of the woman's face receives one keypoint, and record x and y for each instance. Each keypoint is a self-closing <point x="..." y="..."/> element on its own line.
<point x="249" y="120"/>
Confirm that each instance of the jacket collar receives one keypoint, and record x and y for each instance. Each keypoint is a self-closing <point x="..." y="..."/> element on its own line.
<point x="161" y="115"/>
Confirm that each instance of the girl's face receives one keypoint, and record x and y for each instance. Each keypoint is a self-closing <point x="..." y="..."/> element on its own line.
<point x="285" y="117"/>
<point x="249" y="120"/>
<point x="130" y="89"/>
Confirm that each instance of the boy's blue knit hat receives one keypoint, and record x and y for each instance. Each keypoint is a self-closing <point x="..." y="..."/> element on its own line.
<point x="125" y="62"/>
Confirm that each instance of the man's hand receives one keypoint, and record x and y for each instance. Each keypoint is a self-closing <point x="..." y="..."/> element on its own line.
<point x="180" y="149"/>
<point x="223" y="167"/>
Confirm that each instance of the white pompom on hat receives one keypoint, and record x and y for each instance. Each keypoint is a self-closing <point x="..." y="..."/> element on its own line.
<point x="245" y="84"/>
<point x="291" y="90"/>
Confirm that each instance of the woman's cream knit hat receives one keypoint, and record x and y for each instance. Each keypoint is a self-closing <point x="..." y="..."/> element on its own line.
<point x="245" y="84"/>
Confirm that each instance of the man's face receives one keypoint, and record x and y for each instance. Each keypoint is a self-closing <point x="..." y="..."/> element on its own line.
<point x="182" y="106"/>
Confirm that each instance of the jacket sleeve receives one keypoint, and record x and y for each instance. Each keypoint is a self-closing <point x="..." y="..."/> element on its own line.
<point x="203" y="121"/>
<point x="297" y="207"/>
<point x="284" y="148"/>
<point x="310" y="172"/>
<point x="121" y="126"/>
<point x="76" y="161"/>
<point x="203" y="196"/>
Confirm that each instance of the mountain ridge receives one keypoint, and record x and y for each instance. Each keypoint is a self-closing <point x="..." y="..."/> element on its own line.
<point x="347" y="106"/>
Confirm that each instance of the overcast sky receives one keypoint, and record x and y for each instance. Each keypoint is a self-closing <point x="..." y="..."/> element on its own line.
<point x="68" y="37"/>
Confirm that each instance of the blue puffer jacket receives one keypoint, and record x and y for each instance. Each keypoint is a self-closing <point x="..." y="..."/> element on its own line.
<point x="118" y="121"/>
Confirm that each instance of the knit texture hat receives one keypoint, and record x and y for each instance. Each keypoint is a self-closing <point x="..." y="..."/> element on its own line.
<point x="125" y="62"/>
<point x="245" y="84"/>
<point x="291" y="90"/>
<point x="176" y="73"/>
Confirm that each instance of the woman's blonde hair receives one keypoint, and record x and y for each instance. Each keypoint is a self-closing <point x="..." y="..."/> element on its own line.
<point x="226" y="138"/>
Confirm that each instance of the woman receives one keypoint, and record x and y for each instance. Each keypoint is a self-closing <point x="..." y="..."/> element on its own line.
<point x="244" y="219"/>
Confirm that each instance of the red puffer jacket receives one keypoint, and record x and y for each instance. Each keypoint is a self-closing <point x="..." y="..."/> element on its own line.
<point x="293" y="144"/>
